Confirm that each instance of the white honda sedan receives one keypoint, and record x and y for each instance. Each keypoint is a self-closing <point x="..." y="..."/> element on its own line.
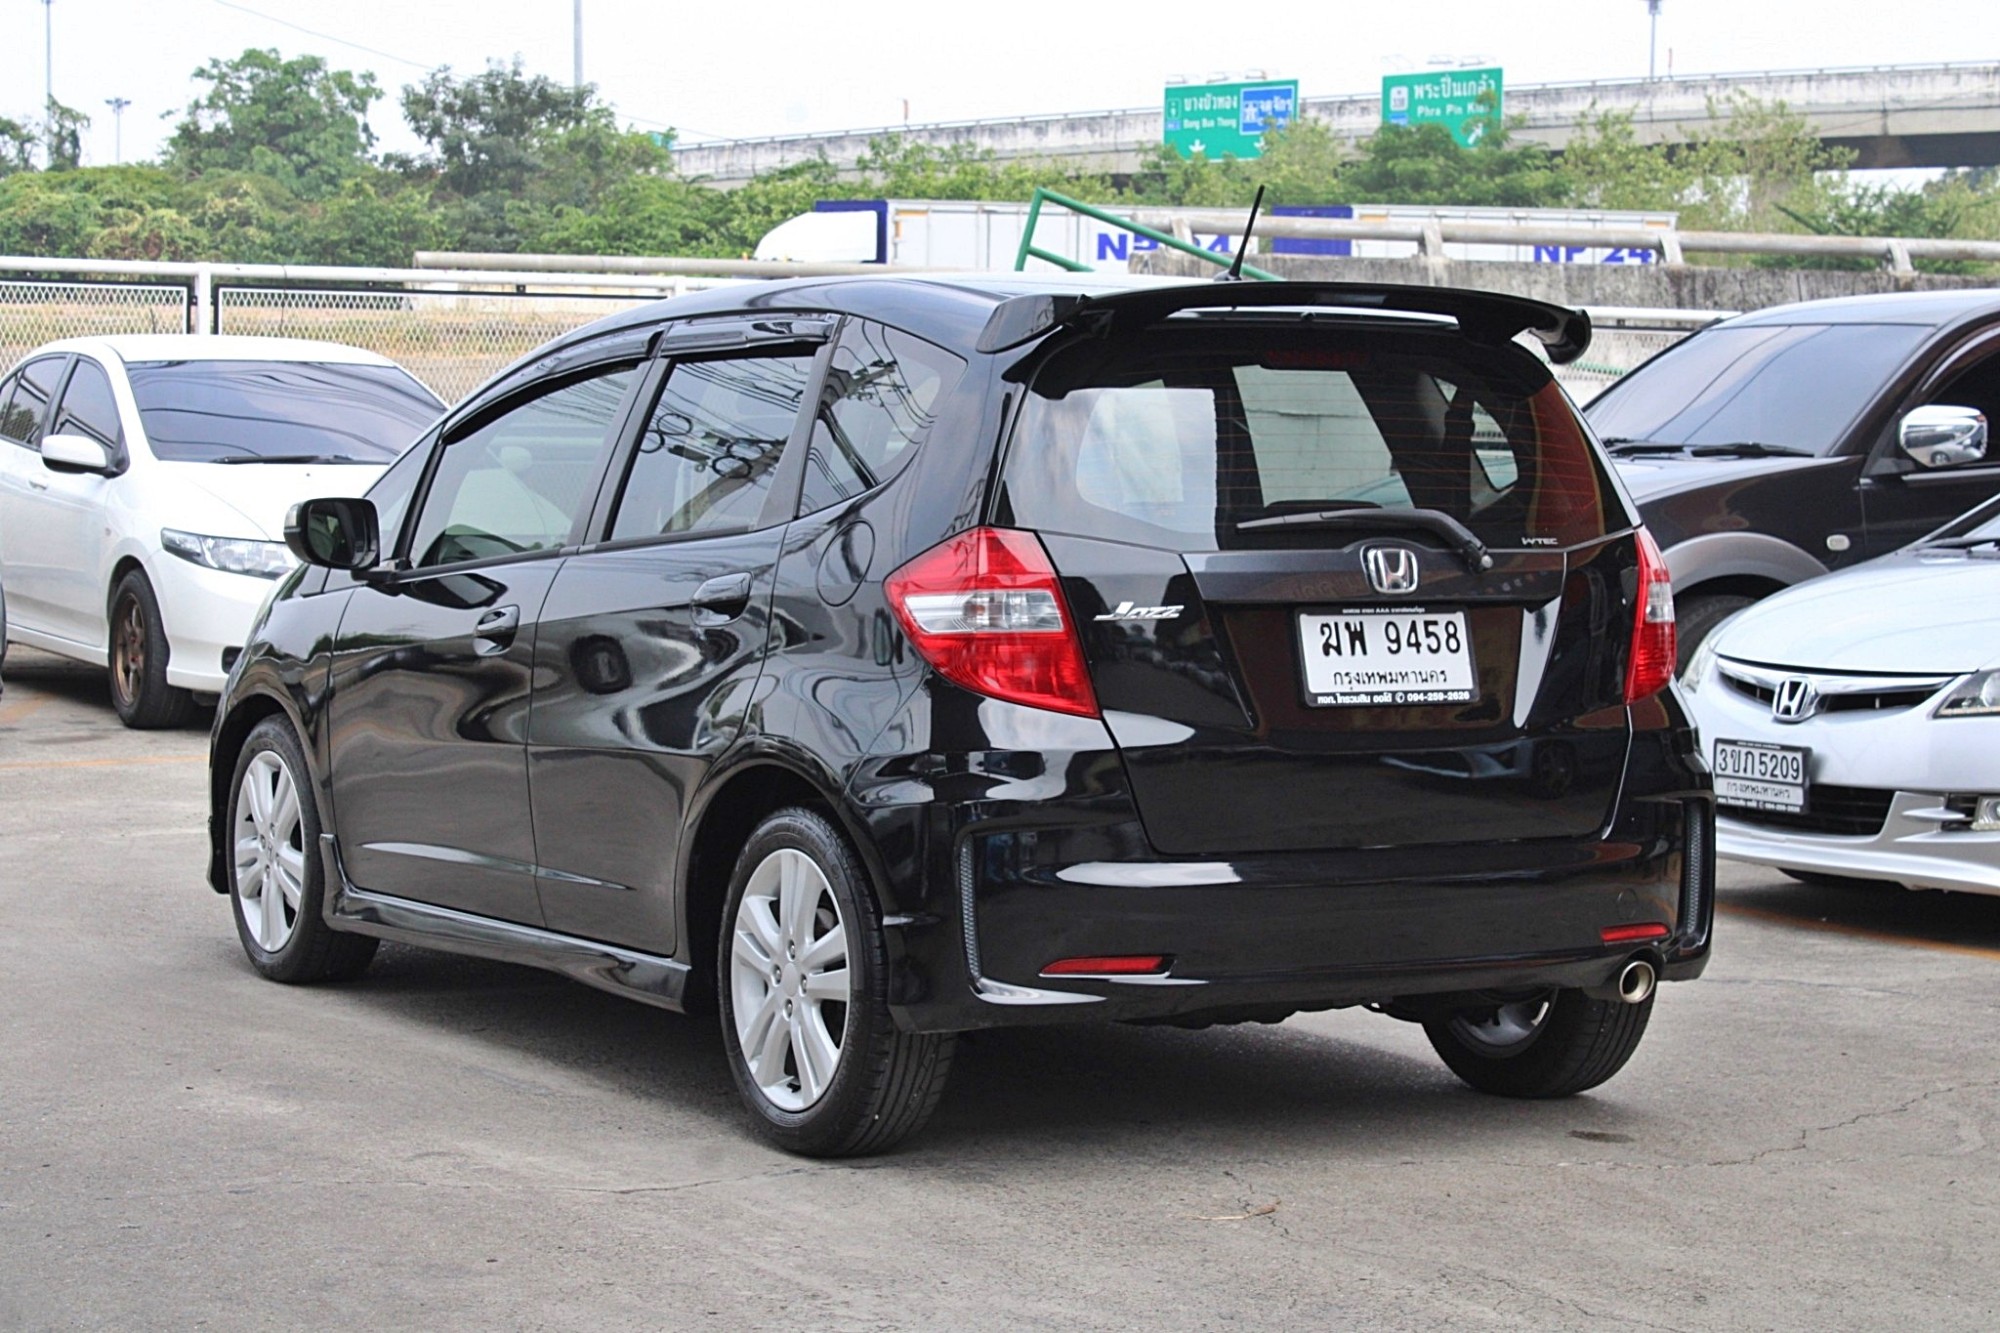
<point x="144" y="482"/>
<point x="1853" y="722"/>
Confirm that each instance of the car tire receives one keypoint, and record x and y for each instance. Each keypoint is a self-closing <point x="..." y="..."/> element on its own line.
<point x="138" y="651"/>
<point x="802" y="983"/>
<point x="1695" y="618"/>
<point x="277" y="886"/>
<point x="1555" y="1045"/>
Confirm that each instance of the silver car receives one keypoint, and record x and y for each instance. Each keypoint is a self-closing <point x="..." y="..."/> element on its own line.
<point x="1853" y="722"/>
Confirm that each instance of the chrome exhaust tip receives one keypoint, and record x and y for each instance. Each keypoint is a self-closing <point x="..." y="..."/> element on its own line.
<point x="1636" y="981"/>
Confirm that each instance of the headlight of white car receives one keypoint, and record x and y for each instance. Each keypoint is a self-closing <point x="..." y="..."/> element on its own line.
<point x="231" y="555"/>
<point x="1704" y="660"/>
<point x="1977" y="696"/>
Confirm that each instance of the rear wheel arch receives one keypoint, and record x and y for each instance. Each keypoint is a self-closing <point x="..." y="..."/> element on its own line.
<point x="725" y="817"/>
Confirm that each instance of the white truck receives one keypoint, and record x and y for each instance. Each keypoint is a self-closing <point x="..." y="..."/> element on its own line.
<point x="978" y="235"/>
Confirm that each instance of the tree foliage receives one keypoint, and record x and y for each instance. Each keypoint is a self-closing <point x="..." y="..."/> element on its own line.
<point x="296" y="122"/>
<point x="274" y="162"/>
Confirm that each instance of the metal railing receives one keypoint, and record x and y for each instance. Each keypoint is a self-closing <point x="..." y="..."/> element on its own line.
<point x="454" y="328"/>
<point x="1671" y="244"/>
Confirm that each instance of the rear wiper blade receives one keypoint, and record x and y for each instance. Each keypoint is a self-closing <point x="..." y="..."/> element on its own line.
<point x="1439" y="524"/>
<point x="1747" y="449"/>
<point x="1620" y="446"/>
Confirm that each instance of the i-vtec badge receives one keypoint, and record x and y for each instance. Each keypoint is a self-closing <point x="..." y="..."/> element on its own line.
<point x="1127" y="611"/>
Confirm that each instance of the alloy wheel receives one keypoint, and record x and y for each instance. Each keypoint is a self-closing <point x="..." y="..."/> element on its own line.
<point x="270" y="852"/>
<point x="128" y="649"/>
<point x="788" y="980"/>
<point x="1504" y="1027"/>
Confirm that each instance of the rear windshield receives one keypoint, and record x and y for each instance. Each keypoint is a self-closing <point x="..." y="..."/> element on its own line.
<point x="277" y="411"/>
<point x="1796" y="385"/>
<point x="1175" y="439"/>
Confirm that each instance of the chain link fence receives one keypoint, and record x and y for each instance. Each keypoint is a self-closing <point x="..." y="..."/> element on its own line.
<point x="451" y="341"/>
<point x="33" y="313"/>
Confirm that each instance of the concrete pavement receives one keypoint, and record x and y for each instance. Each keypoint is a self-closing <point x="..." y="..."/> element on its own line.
<point x="1807" y="1139"/>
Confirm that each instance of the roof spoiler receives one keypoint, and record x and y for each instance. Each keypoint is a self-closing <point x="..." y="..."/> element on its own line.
<point x="1489" y="317"/>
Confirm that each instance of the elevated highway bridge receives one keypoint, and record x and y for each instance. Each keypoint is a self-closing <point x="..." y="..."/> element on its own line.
<point x="1944" y="115"/>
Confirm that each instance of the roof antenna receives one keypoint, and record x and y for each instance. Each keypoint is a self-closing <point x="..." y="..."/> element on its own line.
<point x="1235" y="273"/>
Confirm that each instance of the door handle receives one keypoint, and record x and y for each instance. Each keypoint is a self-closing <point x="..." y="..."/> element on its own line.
<point x="37" y="484"/>
<point x="721" y="600"/>
<point x="495" y="630"/>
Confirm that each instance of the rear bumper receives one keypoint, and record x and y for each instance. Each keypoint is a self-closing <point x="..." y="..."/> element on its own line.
<point x="1258" y="938"/>
<point x="995" y="862"/>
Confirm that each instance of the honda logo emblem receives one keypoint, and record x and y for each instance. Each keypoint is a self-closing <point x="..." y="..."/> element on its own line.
<point x="1795" y="700"/>
<point x="1391" y="569"/>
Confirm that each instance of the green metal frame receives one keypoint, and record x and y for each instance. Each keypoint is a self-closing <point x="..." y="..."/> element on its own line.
<point x="1029" y="250"/>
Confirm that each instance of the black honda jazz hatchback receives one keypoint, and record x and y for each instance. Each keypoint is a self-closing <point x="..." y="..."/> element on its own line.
<point x="870" y="660"/>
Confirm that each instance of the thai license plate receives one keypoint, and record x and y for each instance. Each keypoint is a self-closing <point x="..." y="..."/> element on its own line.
<point x="1410" y="656"/>
<point x="1761" y="776"/>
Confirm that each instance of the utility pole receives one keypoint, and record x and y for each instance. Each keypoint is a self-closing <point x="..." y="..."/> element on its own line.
<point x="49" y="75"/>
<point x="118" y="105"/>
<point x="578" y="81"/>
<point x="1652" y="42"/>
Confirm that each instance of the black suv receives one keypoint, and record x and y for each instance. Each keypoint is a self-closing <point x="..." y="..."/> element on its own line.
<point x="1772" y="447"/>
<point x="874" y="659"/>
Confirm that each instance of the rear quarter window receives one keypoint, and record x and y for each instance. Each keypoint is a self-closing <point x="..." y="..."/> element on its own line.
<point x="1175" y="439"/>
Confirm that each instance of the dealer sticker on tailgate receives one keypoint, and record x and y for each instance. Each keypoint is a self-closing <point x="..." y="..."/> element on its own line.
<point x="1407" y="656"/>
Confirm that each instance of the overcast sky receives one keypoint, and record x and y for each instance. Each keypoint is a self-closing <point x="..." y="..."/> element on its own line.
<point x="733" y="70"/>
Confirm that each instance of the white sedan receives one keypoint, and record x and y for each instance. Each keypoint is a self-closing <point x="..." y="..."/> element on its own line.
<point x="144" y="482"/>
<point x="1853" y="722"/>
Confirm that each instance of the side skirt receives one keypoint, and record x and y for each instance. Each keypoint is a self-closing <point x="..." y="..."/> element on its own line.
<point x="653" y="980"/>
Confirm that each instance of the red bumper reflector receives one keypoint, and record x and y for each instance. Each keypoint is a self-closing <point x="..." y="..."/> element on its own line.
<point x="1123" y="965"/>
<point x="1642" y="930"/>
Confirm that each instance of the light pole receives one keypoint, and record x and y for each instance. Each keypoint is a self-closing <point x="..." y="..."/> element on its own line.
<point x="578" y="80"/>
<point x="118" y="105"/>
<point x="1652" y="42"/>
<point x="49" y="75"/>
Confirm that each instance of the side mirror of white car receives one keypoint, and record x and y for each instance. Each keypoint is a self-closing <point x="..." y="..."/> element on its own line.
<point x="1940" y="436"/>
<point x="75" y="451"/>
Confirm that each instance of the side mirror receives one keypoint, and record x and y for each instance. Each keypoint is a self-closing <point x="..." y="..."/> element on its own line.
<point x="78" y="453"/>
<point x="334" y="534"/>
<point x="1940" y="436"/>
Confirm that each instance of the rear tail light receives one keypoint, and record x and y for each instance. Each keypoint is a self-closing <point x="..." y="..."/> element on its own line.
<point x="1651" y="664"/>
<point x="984" y="608"/>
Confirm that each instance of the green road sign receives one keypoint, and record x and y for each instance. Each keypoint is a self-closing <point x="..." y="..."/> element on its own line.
<point x="1221" y="120"/>
<point x="1464" y="101"/>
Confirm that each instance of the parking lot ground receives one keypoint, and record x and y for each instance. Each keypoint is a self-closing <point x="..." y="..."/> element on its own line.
<point x="1806" y="1139"/>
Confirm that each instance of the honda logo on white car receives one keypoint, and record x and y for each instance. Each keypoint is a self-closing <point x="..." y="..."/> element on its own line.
<point x="1391" y="569"/>
<point x="1795" y="700"/>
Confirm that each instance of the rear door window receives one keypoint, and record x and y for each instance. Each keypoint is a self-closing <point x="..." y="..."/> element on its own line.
<point x="1180" y="437"/>
<point x="709" y="451"/>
